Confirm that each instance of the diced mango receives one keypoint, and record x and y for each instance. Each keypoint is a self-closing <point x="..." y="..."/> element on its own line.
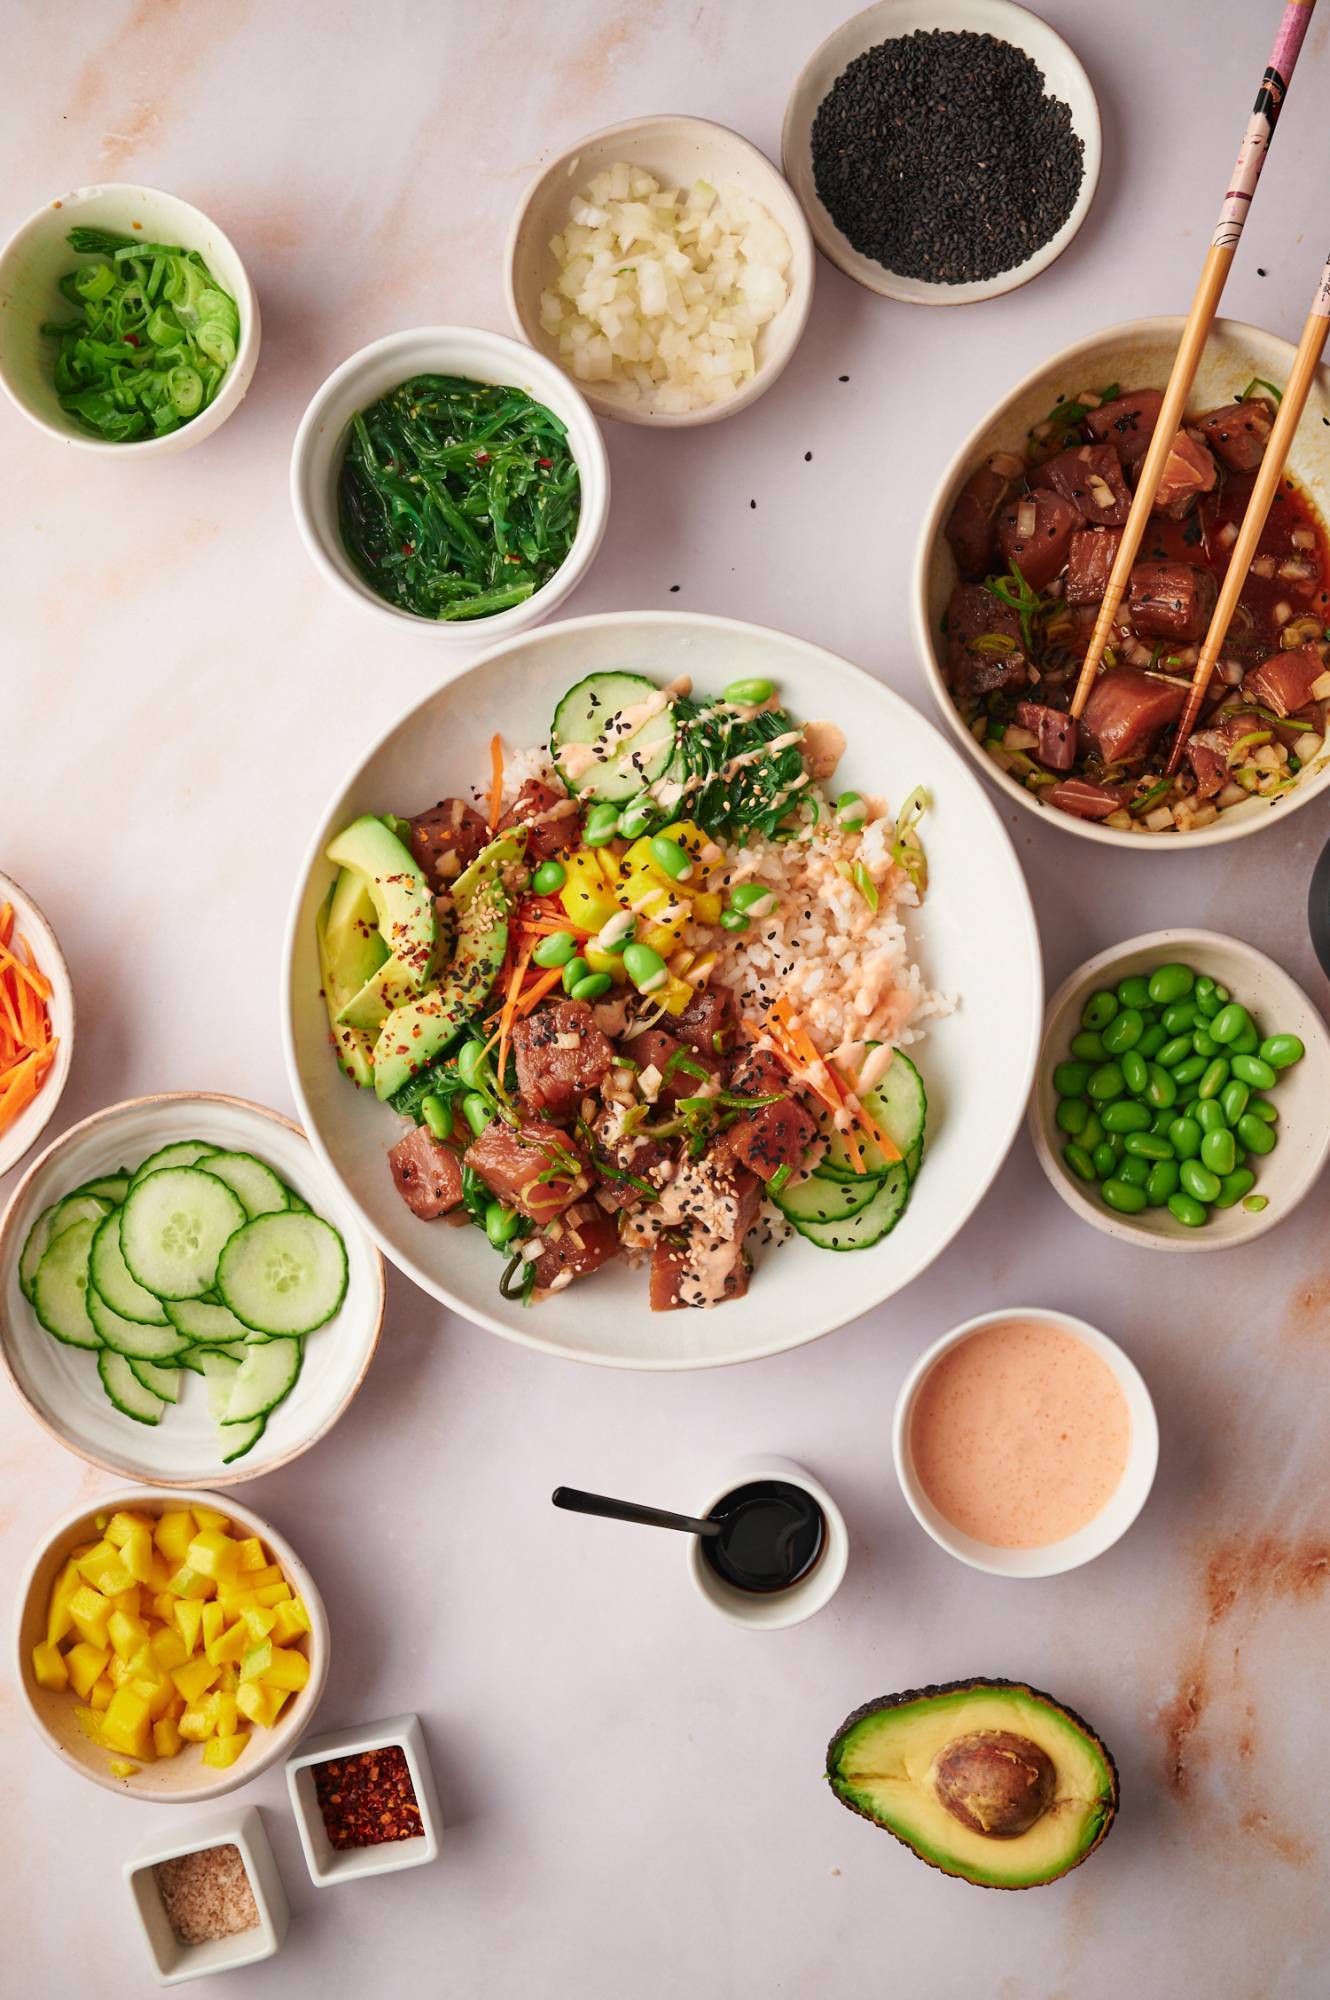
<point x="234" y="1600"/>
<point x="587" y="897"/>
<point x="157" y="1694"/>
<point x="59" y="1624"/>
<point x="188" y="1582"/>
<point x="102" y="1692"/>
<point x="126" y="1634"/>
<point x="707" y="906"/>
<point x="676" y="995"/>
<point x="174" y="1533"/>
<point x="212" y="1554"/>
<point x="219" y="1751"/>
<point x="259" y="1703"/>
<point x="159" y="1575"/>
<point x="118" y="1672"/>
<point x="229" y="1645"/>
<point x="126" y="1724"/>
<point x="89" y="1611"/>
<point x="120" y="1769"/>
<point x="287" y="1669"/>
<point x="188" y="1614"/>
<point x="194" y="1679"/>
<point x="168" y="1648"/>
<point x="128" y="1601"/>
<point x="252" y="1553"/>
<point x="229" y="1678"/>
<point x="271" y="1594"/>
<point x="104" y="1569"/>
<point x="84" y="1663"/>
<point x="166" y="1738"/>
<point x="48" y="1666"/>
<point x="163" y="1606"/>
<point x="224" y="1712"/>
<point x="208" y="1517"/>
<point x="291" y="1620"/>
<point x="259" y="1579"/>
<point x="214" y="1621"/>
<point x="258" y="1621"/>
<point x="194" y="1725"/>
<point x="122" y="1526"/>
<point x="90" y="1722"/>
<point x="138" y="1554"/>
<point x="258" y="1661"/>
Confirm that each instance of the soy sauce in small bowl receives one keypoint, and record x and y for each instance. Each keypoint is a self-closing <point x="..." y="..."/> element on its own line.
<point x="772" y="1536"/>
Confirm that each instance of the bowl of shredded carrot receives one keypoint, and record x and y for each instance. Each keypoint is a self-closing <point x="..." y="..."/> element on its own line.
<point x="36" y="1023"/>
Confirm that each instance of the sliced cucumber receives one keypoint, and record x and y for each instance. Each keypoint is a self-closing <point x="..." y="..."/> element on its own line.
<point x="622" y="761"/>
<point x="205" y="1324"/>
<point x="819" y="1201"/>
<point x="283" y="1274"/>
<point x="899" y="1105"/>
<point x="112" y="1188"/>
<point x="112" y="1277"/>
<point x="172" y="1229"/>
<point x="129" y="1336"/>
<point x="181" y="1153"/>
<point x="60" y="1289"/>
<point x="61" y="1215"/>
<point x="126" y="1391"/>
<point x="294" y="1200"/>
<point x="159" y="1381"/>
<point x="259" y="1190"/>
<point x="267" y="1375"/>
<point x="194" y="1356"/>
<point x="914" y="1159"/>
<point x="237" y="1439"/>
<point x="219" y="1372"/>
<point x="869" y="1225"/>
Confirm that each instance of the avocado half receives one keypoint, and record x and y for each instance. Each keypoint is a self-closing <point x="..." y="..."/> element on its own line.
<point x="988" y="1780"/>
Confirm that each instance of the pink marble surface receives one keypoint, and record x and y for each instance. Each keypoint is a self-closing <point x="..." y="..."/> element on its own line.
<point x="631" y="1786"/>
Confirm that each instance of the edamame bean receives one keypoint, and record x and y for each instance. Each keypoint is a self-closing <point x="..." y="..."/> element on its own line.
<point x="1176" y="1051"/>
<point x="1209" y="1114"/>
<point x="1161" y="1090"/>
<point x="1171" y="982"/>
<point x="615" y="932"/>
<point x="1070" y="1078"/>
<point x="1122" y="1196"/>
<point x="1123" y="1031"/>
<point x="1255" y="1072"/>
<point x="1180" y="1018"/>
<point x="637" y="817"/>
<point x="1072" y="1116"/>
<point x="1093" y="1132"/>
<point x="1204" y="987"/>
<point x="476" y="1111"/>
<point x="1234" y="1099"/>
<point x="602" y="825"/>
<point x="556" y="949"/>
<point x="1184" y="1209"/>
<point x="1152" y="1040"/>
<point x="1125" y="1115"/>
<point x="1099" y="1009"/>
<point x="754" y="899"/>
<point x="592" y="986"/>
<point x="1105" y="1159"/>
<point x="1105" y="1082"/>
<point x="1233" y="1186"/>
<point x="735" y="920"/>
<point x="1133" y="1171"/>
<point x="1190" y="1071"/>
<point x="645" y="967"/>
<point x="1282" y="1051"/>
<point x="549" y="878"/>
<point x="675" y="860"/>
<point x="750" y="693"/>
<point x="1208" y="1002"/>
<point x="1161" y="1121"/>
<point x="1255" y="1203"/>
<point x="1133" y="992"/>
<point x="1255" y="1135"/>
<point x="1162" y="1183"/>
<point x="1219" y="1153"/>
<point x="1246" y="1043"/>
<point x="1198" y="1181"/>
<point x="1148" y="1146"/>
<point x="500" y="1224"/>
<point x="1214" y="1079"/>
<point x="1262" y="1108"/>
<point x="471" y="1064"/>
<point x="576" y="969"/>
<point x="1204" y="1045"/>
<point x="1135" y="1071"/>
<point x="1079" y="1161"/>
<point x="438" y="1115"/>
<point x="1087" y="1047"/>
<point x="851" y="810"/>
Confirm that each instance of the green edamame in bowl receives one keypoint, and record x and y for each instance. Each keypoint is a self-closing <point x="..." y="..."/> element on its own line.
<point x="1179" y="1096"/>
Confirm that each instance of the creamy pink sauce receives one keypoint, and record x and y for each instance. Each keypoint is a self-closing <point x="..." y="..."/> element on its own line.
<point x="1019" y="1435"/>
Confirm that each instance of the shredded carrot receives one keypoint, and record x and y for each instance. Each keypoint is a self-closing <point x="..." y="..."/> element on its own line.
<point x="496" y="780"/>
<point x="510" y="1006"/>
<point x="27" y="1046"/>
<point x="842" y="1095"/>
<point x="537" y="991"/>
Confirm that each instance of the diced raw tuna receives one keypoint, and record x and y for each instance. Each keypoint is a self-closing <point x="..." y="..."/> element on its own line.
<point x="534" y="1168"/>
<point x="1127" y="423"/>
<point x="971" y="528"/>
<point x="1090" y="560"/>
<point x="1086" y="801"/>
<point x="1170" y="600"/>
<point x="1056" y="731"/>
<point x="683" y="1275"/>
<point x="708" y="1014"/>
<point x="668" y="1055"/>
<point x="977" y="626"/>
<point x="561" y="1057"/>
<point x="553" y="820"/>
<point x="1207" y="753"/>
<point x="428" y="1176"/>
<point x="1237" y="433"/>
<point x="1034" y="532"/>
<point x="1189" y="471"/>
<point x="623" y="1153"/>
<point x="773" y="1135"/>
<point x="1126" y="711"/>
<point x="1090" y="477"/>
<point x="1284" y="682"/>
<point x="446" y="838"/>
<point x="582" y="1239"/>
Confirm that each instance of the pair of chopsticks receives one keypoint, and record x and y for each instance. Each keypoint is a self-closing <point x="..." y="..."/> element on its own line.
<point x="1228" y="231"/>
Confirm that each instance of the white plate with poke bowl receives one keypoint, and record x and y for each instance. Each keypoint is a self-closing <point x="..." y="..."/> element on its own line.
<point x="184" y="1293"/>
<point x="647" y="967"/>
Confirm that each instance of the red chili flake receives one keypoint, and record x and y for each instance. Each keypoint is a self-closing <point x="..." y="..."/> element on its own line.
<point x="482" y="458"/>
<point x="131" y="340"/>
<point x="546" y="462"/>
<point x="408" y="548"/>
<point x="367" y="1799"/>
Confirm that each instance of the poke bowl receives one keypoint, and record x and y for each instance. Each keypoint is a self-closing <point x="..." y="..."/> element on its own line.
<point x="551" y="976"/>
<point x="1043" y="481"/>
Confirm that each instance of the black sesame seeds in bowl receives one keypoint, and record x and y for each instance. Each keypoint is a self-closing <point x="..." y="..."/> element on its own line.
<point x="944" y="151"/>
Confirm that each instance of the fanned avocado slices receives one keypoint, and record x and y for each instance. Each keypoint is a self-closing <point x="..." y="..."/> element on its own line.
<point x="988" y="1780"/>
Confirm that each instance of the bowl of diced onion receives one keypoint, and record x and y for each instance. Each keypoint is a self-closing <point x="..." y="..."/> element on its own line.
<point x="666" y="266"/>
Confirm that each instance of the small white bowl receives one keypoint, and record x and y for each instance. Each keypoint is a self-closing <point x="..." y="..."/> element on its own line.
<point x="328" y="1864"/>
<point x="1064" y="77"/>
<point x="20" y="1137"/>
<point x="1138" y="354"/>
<point x="761" y="1613"/>
<point x="183" y="1779"/>
<point x="1112" y="1521"/>
<point x="173" y="1962"/>
<point x="678" y="151"/>
<point x="1301" y="1095"/>
<point x="316" y="462"/>
<point x="37" y="254"/>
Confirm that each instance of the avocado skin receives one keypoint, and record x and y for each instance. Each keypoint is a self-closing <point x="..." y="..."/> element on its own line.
<point x="976" y="1685"/>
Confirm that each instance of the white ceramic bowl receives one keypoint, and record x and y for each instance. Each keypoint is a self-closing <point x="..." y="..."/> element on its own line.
<point x="183" y="1779"/>
<point x="316" y="462"/>
<point x="678" y="151"/>
<point x="1112" y="1521"/>
<point x="20" y="1137"/>
<point x="172" y="1962"/>
<point x="1301" y="1095"/>
<point x="37" y="254"/>
<point x="60" y="1384"/>
<point x="1137" y="354"/>
<point x="1064" y="77"/>
<point x="762" y="1613"/>
<point x="329" y="1865"/>
<point x="976" y="940"/>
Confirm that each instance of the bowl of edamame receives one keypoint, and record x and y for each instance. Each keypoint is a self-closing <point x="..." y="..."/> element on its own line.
<point x="1180" y="1095"/>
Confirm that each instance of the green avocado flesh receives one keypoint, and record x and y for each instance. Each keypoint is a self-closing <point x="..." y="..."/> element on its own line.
<point x="351" y="953"/>
<point x="990" y="1781"/>
<point x="403" y="904"/>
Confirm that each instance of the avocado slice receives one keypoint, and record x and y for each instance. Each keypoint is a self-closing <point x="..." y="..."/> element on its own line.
<point x="989" y="1780"/>
<point x="415" y="1033"/>
<point x="350" y="952"/>
<point x="403" y="902"/>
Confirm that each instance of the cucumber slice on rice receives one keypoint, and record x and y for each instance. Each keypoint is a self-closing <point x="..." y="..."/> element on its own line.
<point x="60" y="1289"/>
<point x="868" y="1225"/>
<point x="818" y="1201"/>
<point x="172" y="1229"/>
<point x="125" y="1390"/>
<point x="621" y="762"/>
<point x="283" y="1274"/>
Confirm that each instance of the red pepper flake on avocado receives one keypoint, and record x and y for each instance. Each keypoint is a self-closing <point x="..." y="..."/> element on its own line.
<point x="367" y="1799"/>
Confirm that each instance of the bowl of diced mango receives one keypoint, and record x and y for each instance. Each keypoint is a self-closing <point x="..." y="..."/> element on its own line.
<point x="169" y="1646"/>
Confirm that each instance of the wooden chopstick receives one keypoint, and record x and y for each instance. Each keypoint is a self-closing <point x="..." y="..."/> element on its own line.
<point x="1223" y="246"/>
<point x="1265" y="486"/>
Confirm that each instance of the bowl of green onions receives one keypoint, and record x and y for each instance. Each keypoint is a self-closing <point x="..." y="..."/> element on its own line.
<point x="127" y="321"/>
<point x="451" y="478"/>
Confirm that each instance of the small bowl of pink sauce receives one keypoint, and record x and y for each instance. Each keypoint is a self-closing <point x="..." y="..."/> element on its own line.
<point x="1025" y="1442"/>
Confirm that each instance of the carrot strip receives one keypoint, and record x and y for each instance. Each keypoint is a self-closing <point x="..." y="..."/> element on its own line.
<point x="539" y="989"/>
<point x="496" y="780"/>
<point x="510" y="1006"/>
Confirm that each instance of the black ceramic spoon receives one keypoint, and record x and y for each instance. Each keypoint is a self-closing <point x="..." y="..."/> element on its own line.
<point x="628" y="1510"/>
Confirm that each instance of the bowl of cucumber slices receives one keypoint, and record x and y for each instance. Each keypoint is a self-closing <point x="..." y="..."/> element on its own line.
<point x="184" y="1293"/>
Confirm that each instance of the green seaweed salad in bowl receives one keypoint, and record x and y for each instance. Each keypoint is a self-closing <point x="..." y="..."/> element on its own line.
<point x="451" y="477"/>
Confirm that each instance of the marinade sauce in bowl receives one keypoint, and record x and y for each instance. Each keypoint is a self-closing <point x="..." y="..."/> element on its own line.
<point x="772" y="1536"/>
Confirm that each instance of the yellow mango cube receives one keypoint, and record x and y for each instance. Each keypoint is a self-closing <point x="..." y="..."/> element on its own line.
<point x="259" y="1703"/>
<point x="291" y="1620"/>
<point x="166" y="1738"/>
<point x="213" y="1554"/>
<point x="157" y="1694"/>
<point x="138" y="1554"/>
<point x="234" y="1600"/>
<point x="224" y="1712"/>
<point x="588" y="898"/>
<point x="229" y="1645"/>
<point x="127" y="1635"/>
<point x="174" y="1533"/>
<point x="214" y="1620"/>
<point x="163" y="1606"/>
<point x="128" y="1601"/>
<point x="208" y="1517"/>
<point x="118" y="1672"/>
<point x="194" y="1679"/>
<point x="252" y="1553"/>
<point x="102" y="1692"/>
<point x="219" y="1751"/>
<point x="126" y="1723"/>
<point x="259" y="1579"/>
<point x="194" y="1725"/>
<point x="159" y="1574"/>
<point x="188" y="1582"/>
<point x="168" y="1648"/>
<point x="88" y="1612"/>
<point x="257" y="1661"/>
<point x="271" y="1594"/>
<point x="84" y="1663"/>
<point x="59" y="1624"/>
<point x="104" y="1569"/>
<point x="707" y="906"/>
<point x="120" y="1769"/>
<point x="258" y="1622"/>
<point x="123" y="1525"/>
<point x="90" y="1722"/>
<point x="287" y="1669"/>
<point x="601" y="960"/>
<point x="188" y="1615"/>
<point x="48" y="1666"/>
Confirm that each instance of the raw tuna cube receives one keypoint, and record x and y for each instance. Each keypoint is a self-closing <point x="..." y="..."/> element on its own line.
<point x="1034" y="532"/>
<point x="1170" y="600"/>
<point x="1126" y="711"/>
<point x="582" y="1239"/>
<point x="1090" y="561"/>
<point x="971" y="528"/>
<point x="1086" y="801"/>
<point x="1189" y="471"/>
<point x="977" y="626"/>
<point x="1237" y="433"/>
<point x="428" y="1176"/>
<point x="534" y="1168"/>
<point x="1090" y="477"/>
<point x="1127" y="423"/>
<point x="561" y="1056"/>
<point x="1056" y="731"/>
<point x="1284" y="682"/>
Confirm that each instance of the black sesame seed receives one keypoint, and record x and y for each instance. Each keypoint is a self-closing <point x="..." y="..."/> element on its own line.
<point x="674" y="586"/>
<point x="808" y="457"/>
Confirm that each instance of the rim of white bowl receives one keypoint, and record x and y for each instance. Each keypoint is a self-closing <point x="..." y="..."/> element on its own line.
<point x="766" y="373"/>
<point x="1126" y="1228"/>
<point x="1234" y="824"/>
<point x="16" y="1143"/>
<point x="1112" y="1521"/>
<point x="1001" y="17"/>
<point x="238" y="376"/>
<point x="830" y="1322"/>
<point x="588" y="451"/>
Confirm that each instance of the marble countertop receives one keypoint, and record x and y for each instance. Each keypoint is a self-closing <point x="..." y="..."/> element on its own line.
<point x="631" y="1787"/>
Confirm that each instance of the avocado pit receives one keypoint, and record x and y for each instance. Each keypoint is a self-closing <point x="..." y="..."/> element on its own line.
<point x="994" y="1782"/>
